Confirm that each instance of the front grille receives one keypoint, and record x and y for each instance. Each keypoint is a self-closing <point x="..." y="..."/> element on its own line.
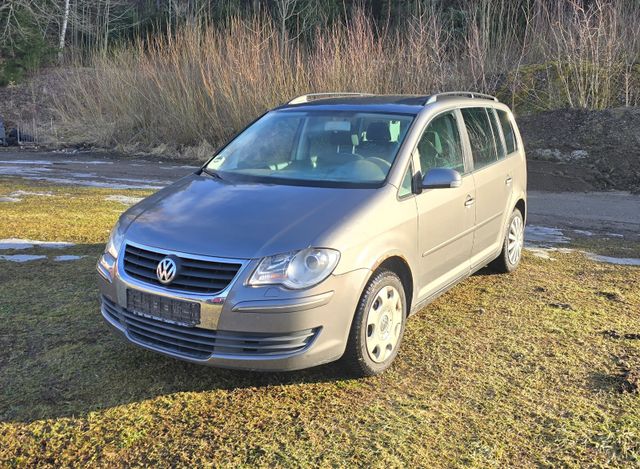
<point x="200" y="343"/>
<point x="194" y="275"/>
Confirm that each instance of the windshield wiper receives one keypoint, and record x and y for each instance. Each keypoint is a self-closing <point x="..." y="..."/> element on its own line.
<point x="212" y="173"/>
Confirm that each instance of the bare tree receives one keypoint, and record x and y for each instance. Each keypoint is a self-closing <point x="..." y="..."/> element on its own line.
<point x="287" y="10"/>
<point x="63" y="30"/>
<point x="12" y="13"/>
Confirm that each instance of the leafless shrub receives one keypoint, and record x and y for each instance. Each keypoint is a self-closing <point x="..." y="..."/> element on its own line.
<point x="587" y="46"/>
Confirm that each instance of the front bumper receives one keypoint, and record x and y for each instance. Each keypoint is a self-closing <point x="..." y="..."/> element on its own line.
<point x="256" y="328"/>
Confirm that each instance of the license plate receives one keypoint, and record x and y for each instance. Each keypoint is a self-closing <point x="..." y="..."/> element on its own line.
<point x="162" y="308"/>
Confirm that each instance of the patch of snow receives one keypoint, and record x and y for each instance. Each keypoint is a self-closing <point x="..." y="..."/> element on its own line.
<point x="613" y="260"/>
<point x="124" y="199"/>
<point x="34" y="162"/>
<point x="615" y="235"/>
<point x="21" y="170"/>
<point x="9" y="199"/>
<point x="179" y="167"/>
<point x="554" y="154"/>
<point x="145" y="181"/>
<point x="578" y="154"/>
<point x="67" y="258"/>
<point x="541" y="252"/>
<point x="545" y="252"/>
<point x="82" y="175"/>
<point x="90" y="183"/>
<point x="583" y="232"/>
<point x="86" y="162"/>
<point x="537" y="235"/>
<point x="547" y="153"/>
<point x="16" y="243"/>
<point x="23" y="193"/>
<point x="21" y="258"/>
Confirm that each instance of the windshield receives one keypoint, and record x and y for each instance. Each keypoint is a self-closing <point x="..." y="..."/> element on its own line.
<point x="338" y="147"/>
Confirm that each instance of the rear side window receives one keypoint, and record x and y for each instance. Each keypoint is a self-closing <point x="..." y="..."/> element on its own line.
<point x="507" y="131"/>
<point x="483" y="145"/>
<point x="439" y="146"/>
<point x="495" y="127"/>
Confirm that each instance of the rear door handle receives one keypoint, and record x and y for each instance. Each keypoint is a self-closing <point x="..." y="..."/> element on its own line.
<point x="508" y="181"/>
<point x="469" y="201"/>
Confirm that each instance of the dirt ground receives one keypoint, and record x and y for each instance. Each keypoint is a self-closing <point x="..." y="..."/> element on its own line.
<point x="577" y="150"/>
<point x="29" y="101"/>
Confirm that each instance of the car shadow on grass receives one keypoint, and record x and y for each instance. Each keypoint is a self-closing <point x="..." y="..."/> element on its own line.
<point x="487" y="271"/>
<point x="58" y="358"/>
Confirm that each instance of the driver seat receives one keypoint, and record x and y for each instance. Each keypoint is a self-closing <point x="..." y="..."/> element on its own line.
<point x="378" y="142"/>
<point x="340" y="149"/>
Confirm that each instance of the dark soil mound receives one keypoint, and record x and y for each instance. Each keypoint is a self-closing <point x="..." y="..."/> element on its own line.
<point x="583" y="150"/>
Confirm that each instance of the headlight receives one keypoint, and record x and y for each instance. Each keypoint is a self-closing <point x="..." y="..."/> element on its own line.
<point x="116" y="239"/>
<point x="296" y="270"/>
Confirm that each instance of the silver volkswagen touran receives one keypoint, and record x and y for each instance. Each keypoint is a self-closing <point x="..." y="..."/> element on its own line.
<point x="318" y="230"/>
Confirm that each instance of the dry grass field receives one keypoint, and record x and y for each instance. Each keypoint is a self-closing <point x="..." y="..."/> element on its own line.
<point x="539" y="368"/>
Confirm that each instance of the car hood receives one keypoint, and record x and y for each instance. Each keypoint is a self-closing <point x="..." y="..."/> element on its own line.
<point x="202" y="215"/>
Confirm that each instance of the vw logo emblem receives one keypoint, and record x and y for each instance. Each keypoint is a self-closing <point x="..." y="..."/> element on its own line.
<point x="166" y="270"/>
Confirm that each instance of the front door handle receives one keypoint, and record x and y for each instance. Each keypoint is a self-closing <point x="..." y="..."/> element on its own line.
<point x="508" y="181"/>
<point x="469" y="201"/>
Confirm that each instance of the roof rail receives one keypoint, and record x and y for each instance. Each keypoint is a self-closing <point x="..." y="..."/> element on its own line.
<point x="433" y="98"/>
<point x="305" y="98"/>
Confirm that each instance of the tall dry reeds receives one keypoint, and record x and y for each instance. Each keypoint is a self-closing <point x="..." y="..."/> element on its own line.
<point x="202" y="83"/>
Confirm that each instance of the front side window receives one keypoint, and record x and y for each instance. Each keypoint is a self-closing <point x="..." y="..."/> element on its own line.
<point x="483" y="145"/>
<point x="315" y="147"/>
<point x="439" y="146"/>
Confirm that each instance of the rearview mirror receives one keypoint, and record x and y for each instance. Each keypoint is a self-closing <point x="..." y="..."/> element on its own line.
<point x="439" y="178"/>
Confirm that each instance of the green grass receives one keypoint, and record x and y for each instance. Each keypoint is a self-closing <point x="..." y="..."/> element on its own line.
<point x="501" y="371"/>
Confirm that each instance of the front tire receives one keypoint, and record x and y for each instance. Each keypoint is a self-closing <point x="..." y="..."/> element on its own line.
<point x="512" y="246"/>
<point x="377" y="327"/>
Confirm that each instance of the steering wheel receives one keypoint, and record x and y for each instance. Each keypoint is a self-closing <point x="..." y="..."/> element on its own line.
<point x="340" y="158"/>
<point x="359" y="169"/>
<point x="383" y="164"/>
<point x="349" y="156"/>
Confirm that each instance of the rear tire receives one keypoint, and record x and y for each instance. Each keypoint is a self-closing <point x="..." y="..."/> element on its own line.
<point x="377" y="327"/>
<point x="512" y="245"/>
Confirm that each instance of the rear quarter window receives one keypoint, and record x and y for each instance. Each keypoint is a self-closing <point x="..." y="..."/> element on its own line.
<point x="507" y="131"/>
<point x="495" y="127"/>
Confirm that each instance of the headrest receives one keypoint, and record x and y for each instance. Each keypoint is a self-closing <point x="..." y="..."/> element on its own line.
<point x="378" y="132"/>
<point x="434" y="139"/>
<point x="341" y="137"/>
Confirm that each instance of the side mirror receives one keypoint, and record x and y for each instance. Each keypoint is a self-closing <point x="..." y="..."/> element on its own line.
<point x="441" y="178"/>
